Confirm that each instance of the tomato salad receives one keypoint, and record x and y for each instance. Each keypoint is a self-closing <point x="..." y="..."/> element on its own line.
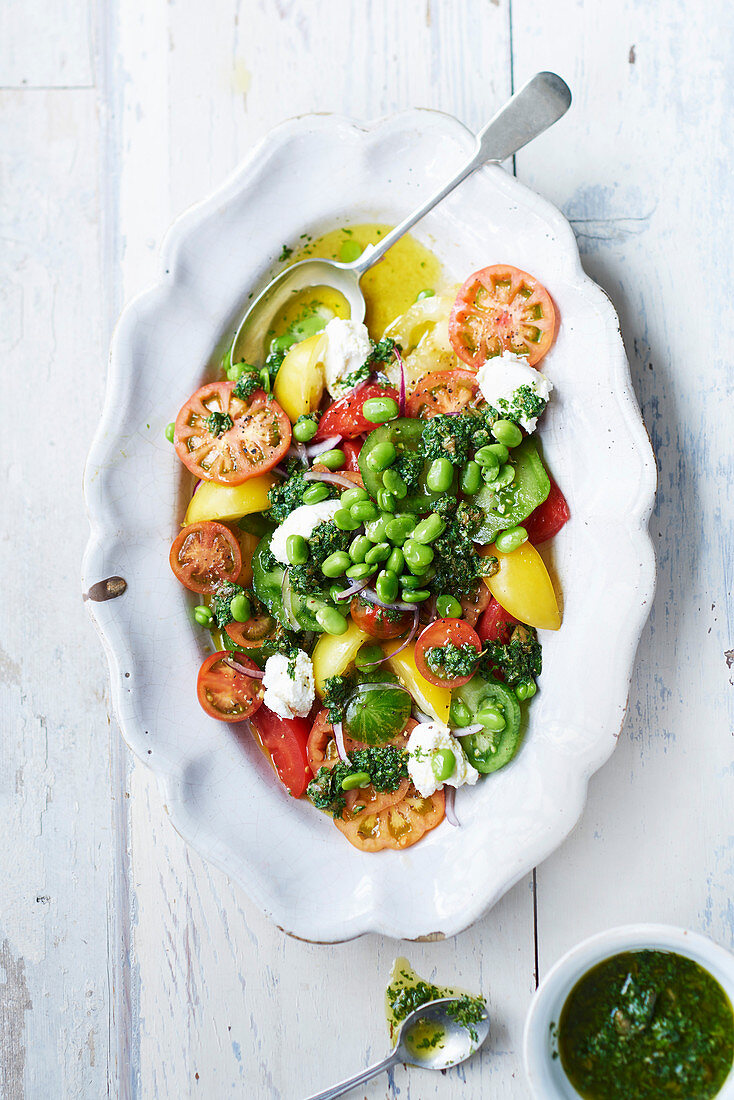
<point x="362" y="541"/>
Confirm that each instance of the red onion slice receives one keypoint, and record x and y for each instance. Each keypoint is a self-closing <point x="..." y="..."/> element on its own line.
<point x="372" y="597"/>
<point x="298" y="450"/>
<point x="450" y="793"/>
<point x="339" y="738"/>
<point x="354" y="587"/>
<point x="465" y="731"/>
<point x="401" y="397"/>
<point x="255" y="673"/>
<point x="324" y="445"/>
<point x="421" y="715"/>
<point x="408" y="640"/>
<point x="327" y="475"/>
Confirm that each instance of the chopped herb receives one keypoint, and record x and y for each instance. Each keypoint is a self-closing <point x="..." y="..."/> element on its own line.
<point x="519" y="659"/>
<point x="222" y="600"/>
<point x="247" y="383"/>
<point x="337" y="690"/>
<point x="410" y="467"/>
<point x="450" y="661"/>
<point x="285" y="254"/>
<point x="218" y="423"/>
<point x="386" y="766"/>
<point x="450" y="437"/>
<point x="324" y="540"/>
<point x="525" y="404"/>
<point x="456" y="562"/>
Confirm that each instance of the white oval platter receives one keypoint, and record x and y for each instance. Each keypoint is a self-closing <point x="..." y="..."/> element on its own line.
<point x="309" y="175"/>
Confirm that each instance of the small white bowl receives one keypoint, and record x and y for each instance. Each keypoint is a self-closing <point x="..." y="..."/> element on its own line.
<point x="545" y="1074"/>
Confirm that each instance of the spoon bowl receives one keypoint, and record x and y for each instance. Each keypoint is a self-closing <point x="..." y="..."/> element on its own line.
<point x="536" y="106"/>
<point x="430" y="1037"/>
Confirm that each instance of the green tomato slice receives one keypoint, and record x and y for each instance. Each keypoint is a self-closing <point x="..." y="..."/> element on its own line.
<point x="405" y="435"/>
<point x="487" y="750"/>
<point x="529" y="489"/>
<point x="376" y="716"/>
<point x="267" y="584"/>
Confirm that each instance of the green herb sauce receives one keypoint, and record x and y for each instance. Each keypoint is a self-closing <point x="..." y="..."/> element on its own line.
<point x="407" y="991"/>
<point x="652" y="1025"/>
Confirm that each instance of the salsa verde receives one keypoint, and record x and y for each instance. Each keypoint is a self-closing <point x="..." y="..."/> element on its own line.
<point x="653" y="1025"/>
<point x="407" y="991"/>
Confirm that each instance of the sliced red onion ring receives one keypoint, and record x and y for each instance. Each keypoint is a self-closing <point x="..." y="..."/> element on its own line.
<point x="465" y="731"/>
<point x="280" y="470"/>
<point x="401" y="397"/>
<point x="450" y="793"/>
<point x="298" y="450"/>
<point x="327" y="475"/>
<point x="407" y="641"/>
<point x="339" y="738"/>
<point x="198" y="485"/>
<point x="324" y="445"/>
<point x="421" y="715"/>
<point x="372" y="597"/>
<point x="354" y="587"/>
<point x="255" y="673"/>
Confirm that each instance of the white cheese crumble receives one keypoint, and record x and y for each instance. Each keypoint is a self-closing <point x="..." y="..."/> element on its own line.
<point x="285" y="695"/>
<point x="301" y="521"/>
<point x="348" y="345"/>
<point x="502" y="375"/>
<point x="425" y="740"/>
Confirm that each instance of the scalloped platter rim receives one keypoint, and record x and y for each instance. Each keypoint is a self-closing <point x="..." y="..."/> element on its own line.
<point x="308" y="175"/>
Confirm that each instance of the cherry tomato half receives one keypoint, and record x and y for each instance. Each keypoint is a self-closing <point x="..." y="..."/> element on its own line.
<point x="225" y="690"/>
<point x="345" y="417"/>
<point x="549" y="517"/>
<point x="442" y="391"/>
<point x="204" y="555"/>
<point x="258" y="435"/>
<point x="253" y="633"/>
<point x="439" y="634"/>
<point x="285" y="740"/>
<point x="496" y="624"/>
<point x="475" y="603"/>
<point x="376" y="621"/>
<point x="498" y="309"/>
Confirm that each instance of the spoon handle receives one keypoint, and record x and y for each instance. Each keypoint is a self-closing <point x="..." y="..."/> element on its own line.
<point x="536" y="106"/>
<point x="359" y="1079"/>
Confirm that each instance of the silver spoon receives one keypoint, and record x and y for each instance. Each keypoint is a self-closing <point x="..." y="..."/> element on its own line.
<point x="538" y="104"/>
<point x="456" y="1045"/>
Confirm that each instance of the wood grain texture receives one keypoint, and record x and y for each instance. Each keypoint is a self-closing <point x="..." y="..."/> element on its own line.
<point x="128" y="967"/>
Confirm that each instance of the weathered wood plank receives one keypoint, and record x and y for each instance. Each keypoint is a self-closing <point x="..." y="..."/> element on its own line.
<point x="56" y="856"/>
<point x="640" y="166"/>
<point x="46" y="44"/>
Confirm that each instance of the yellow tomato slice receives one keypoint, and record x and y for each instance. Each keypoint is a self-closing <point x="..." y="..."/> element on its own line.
<point x="229" y="502"/>
<point x="299" y="384"/>
<point x="435" y="700"/>
<point x="334" y="653"/>
<point x="523" y="587"/>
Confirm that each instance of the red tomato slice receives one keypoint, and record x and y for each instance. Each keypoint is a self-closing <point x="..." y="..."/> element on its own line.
<point x="285" y="740"/>
<point x="204" y="555"/>
<point x="258" y="438"/>
<point x="549" y="517"/>
<point x="374" y="620"/>
<point x="498" y="309"/>
<point x="345" y="417"/>
<point x="253" y="633"/>
<point x="319" y="740"/>
<point x="442" y="391"/>
<point x="226" y="691"/>
<point x="351" y="448"/>
<point x="496" y="624"/>
<point x="441" y="633"/>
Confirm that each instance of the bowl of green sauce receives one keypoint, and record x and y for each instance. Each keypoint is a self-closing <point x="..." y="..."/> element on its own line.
<point x="642" y="1012"/>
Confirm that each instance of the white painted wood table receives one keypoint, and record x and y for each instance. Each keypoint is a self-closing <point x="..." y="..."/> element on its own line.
<point x="127" y="966"/>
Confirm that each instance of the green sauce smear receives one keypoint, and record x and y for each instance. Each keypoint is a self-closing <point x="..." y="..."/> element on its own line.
<point x="650" y="1024"/>
<point x="407" y="991"/>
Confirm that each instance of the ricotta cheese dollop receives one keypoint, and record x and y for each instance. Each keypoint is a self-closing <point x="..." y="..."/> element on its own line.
<point x="425" y="740"/>
<point x="348" y="345"/>
<point x="302" y="521"/>
<point x="286" y="695"/>
<point x="501" y="377"/>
